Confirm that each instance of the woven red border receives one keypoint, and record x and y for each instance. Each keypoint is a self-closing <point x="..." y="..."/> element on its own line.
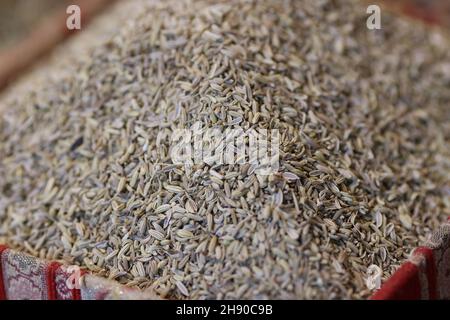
<point x="417" y="278"/>
<point x="403" y="285"/>
<point x="51" y="284"/>
<point x="2" y="284"/>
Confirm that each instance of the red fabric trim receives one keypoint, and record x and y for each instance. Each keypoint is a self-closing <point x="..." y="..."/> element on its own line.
<point x="76" y="294"/>
<point x="430" y="270"/>
<point x="2" y="284"/>
<point x="403" y="285"/>
<point x="51" y="284"/>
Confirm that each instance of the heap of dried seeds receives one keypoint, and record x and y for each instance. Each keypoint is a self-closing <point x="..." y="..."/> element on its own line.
<point x="364" y="165"/>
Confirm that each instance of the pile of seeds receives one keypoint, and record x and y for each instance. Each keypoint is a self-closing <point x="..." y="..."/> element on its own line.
<point x="364" y="156"/>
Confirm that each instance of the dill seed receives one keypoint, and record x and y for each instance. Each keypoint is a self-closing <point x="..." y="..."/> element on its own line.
<point x="85" y="143"/>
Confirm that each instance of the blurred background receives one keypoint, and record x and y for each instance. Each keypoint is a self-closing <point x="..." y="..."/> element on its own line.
<point x="30" y="29"/>
<point x="18" y="17"/>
